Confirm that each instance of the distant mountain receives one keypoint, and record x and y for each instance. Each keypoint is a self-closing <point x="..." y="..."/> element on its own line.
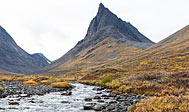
<point x="40" y="56"/>
<point x="105" y="26"/>
<point x="15" y="59"/>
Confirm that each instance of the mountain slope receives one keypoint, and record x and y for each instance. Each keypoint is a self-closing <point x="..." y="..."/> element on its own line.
<point x="173" y="47"/>
<point x="15" y="59"/>
<point x="40" y="56"/>
<point x="161" y="70"/>
<point x="105" y="26"/>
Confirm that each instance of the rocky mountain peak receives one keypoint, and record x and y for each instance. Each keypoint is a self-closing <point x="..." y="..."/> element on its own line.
<point x="108" y="24"/>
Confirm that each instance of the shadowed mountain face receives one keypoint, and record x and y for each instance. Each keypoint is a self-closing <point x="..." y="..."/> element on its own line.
<point x="40" y="56"/>
<point x="105" y="25"/>
<point x="15" y="59"/>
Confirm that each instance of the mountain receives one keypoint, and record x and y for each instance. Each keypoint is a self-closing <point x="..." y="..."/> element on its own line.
<point x="105" y="28"/>
<point x="15" y="59"/>
<point x="40" y="56"/>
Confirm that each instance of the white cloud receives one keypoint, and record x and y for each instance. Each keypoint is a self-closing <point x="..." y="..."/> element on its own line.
<point x="55" y="26"/>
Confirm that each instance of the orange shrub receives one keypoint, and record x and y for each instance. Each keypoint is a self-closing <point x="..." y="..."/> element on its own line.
<point x="31" y="83"/>
<point x="61" y="85"/>
<point x="45" y="82"/>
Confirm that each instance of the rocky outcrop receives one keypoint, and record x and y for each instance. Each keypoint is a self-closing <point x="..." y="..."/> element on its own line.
<point x="14" y="59"/>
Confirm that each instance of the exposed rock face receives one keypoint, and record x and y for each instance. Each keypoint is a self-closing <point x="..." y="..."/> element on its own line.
<point x="105" y="24"/>
<point x="108" y="24"/>
<point x="15" y="59"/>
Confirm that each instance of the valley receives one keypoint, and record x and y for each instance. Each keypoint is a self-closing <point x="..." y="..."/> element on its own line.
<point x="115" y="68"/>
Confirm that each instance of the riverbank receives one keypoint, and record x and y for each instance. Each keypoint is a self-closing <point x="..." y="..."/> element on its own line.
<point x="81" y="98"/>
<point x="17" y="88"/>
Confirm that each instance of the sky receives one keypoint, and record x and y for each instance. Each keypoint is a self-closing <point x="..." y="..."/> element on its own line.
<point x="53" y="27"/>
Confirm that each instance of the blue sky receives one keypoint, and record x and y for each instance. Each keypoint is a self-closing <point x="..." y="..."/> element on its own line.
<point x="54" y="26"/>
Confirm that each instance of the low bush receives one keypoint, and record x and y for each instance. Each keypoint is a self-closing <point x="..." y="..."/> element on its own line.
<point x="61" y="85"/>
<point x="31" y="83"/>
<point x="105" y="80"/>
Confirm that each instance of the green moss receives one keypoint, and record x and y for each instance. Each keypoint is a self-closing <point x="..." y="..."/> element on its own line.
<point x="105" y="80"/>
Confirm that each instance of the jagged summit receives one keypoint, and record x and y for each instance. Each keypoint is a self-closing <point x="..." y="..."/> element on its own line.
<point x="114" y="26"/>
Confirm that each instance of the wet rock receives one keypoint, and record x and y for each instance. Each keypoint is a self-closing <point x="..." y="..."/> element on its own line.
<point x="99" y="88"/>
<point x="108" y="90"/>
<point x="127" y="103"/>
<point x="106" y="98"/>
<point x="66" y="93"/>
<point x="2" y="108"/>
<point x="88" y="106"/>
<point x="64" y="102"/>
<point x="13" y="103"/>
<point x="100" y="101"/>
<point x="98" y="107"/>
<point x="104" y="95"/>
<point x="31" y="101"/>
<point x="88" y="99"/>
<point x="12" y="108"/>
<point x="97" y="97"/>
<point x="24" y="95"/>
<point x="99" y="93"/>
<point x="41" y="101"/>
<point x="113" y="102"/>
<point x="112" y="95"/>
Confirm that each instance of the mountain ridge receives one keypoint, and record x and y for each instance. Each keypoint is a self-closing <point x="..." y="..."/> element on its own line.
<point x="14" y="59"/>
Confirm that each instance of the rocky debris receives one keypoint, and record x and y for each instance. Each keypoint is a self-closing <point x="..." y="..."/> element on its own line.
<point x="88" y="99"/>
<point x="99" y="88"/>
<point x="16" y="88"/>
<point x="97" y="97"/>
<point x="88" y="106"/>
<point x="66" y="93"/>
<point x="13" y="103"/>
<point x="105" y="102"/>
<point x="111" y="102"/>
<point x="65" y="102"/>
<point x="98" y="107"/>
<point x="32" y="101"/>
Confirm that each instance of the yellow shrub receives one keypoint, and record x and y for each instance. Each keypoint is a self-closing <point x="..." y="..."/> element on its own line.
<point x="1" y="89"/>
<point x="144" y="63"/>
<point x="61" y="85"/>
<point x="31" y="83"/>
<point x="45" y="82"/>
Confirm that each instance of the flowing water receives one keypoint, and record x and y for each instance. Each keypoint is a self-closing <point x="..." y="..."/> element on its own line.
<point x="52" y="102"/>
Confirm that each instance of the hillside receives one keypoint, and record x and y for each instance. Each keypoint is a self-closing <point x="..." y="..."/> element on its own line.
<point x="108" y="37"/>
<point x="14" y="59"/>
<point x="160" y="71"/>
